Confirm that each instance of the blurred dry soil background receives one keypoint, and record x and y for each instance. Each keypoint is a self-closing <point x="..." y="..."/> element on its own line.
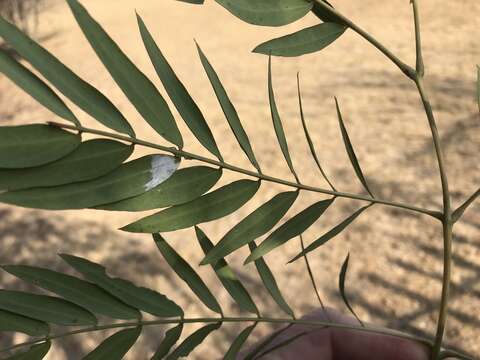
<point x="395" y="269"/>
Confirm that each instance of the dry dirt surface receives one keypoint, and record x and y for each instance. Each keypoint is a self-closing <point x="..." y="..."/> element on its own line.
<point x="395" y="267"/>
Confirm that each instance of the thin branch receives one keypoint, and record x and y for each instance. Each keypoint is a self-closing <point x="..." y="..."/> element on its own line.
<point x="121" y="325"/>
<point x="457" y="214"/>
<point x="420" y="67"/>
<point x="406" y="69"/>
<point x="190" y="156"/>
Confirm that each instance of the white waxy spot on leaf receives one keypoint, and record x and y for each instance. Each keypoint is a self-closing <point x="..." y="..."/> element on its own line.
<point x="162" y="168"/>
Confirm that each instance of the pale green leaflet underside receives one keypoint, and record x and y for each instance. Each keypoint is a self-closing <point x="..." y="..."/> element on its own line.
<point x="227" y="277"/>
<point x="212" y="206"/>
<point x="107" y="155"/>
<point x="183" y="186"/>
<point x="34" y="145"/>
<point x="253" y="226"/>
<point x="88" y="98"/>
<point x="182" y="100"/>
<point x="33" y="85"/>
<point x="137" y="87"/>
<point x="129" y="180"/>
<point x="138" y="297"/>
<point x="77" y="291"/>
<point x="267" y="12"/>
<point x="303" y="42"/>
<point x="45" y="308"/>
<point x="10" y="322"/>
<point x="186" y="273"/>
<point x="116" y="346"/>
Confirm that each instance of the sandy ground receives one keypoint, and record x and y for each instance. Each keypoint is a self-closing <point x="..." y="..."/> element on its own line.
<point x="396" y="265"/>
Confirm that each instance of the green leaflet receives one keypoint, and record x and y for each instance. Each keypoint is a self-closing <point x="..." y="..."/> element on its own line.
<point x="292" y="228"/>
<point x="198" y="2"/>
<point x="191" y="342"/>
<point x="182" y="100"/>
<point x="341" y="285"/>
<point x="35" y="87"/>
<point x="351" y="151"/>
<point x="116" y="346"/>
<point x="107" y="155"/>
<point x="129" y="180"/>
<point x="36" y="352"/>
<point x="277" y="122"/>
<point x="268" y="12"/>
<point x="227" y="277"/>
<point x="18" y="323"/>
<point x="228" y="109"/>
<point x="331" y="234"/>
<point x="183" y="186"/>
<point x="270" y="283"/>
<point x="136" y="86"/>
<point x="212" y="206"/>
<point x="25" y="146"/>
<point x="140" y="298"/>
<point x="187" y="274"/>
<point x="237" y="344"/>
<point x="171" y="338"/>
<point x="324" y="14"/>
<point x="77" y="291"/>
<point x="45" y="308"/>
<point x="88" y="98"/>
<point x="253" y="226"/>
<point x="306" y="41"/>
<point x="307" y="136"/>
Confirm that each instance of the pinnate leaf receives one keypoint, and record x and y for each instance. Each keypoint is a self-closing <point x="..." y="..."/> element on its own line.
<point x="187" y="274"/>
<point x="35" y="87"/>
<point x="171" y="338"/>
<point x="116" y="346"/>
<point x="84" y="95"/>
<point x="212" y="206"/>
<point x="306" y="41"/>
<point x="182" y="100"/>
<point x="270" y="283"/>
<point x="45" y="308"/>
<point x="331" y="234"/>
<point x="292" y="228"/>
<point x="18" y="323"/>
<point x="228" y="109"/>
<point x="267" y="12"/>
<point x="140" y="298"/>
<point x="36" y="352"/>
<point x="259" y="222"/>
<point x="183" y="186"/>
<point x="191" y="342"/>
<point x="227" y="277"/>
<point x="137" y="87"/>
<point x="107" y="155"/>
<point x="77" y="291"/>
<point x="131" y="179"/>
<point x="26" y="146"/>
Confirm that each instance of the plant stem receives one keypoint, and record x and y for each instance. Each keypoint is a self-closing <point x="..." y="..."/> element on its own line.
<point x="406" y="69"/>
<point x="121" y="325"/>
<point x="447" y="210"/>
<point x="190" y="156"/>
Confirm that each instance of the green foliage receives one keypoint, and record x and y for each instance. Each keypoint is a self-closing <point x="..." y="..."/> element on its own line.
<point x="48" y="167"/>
